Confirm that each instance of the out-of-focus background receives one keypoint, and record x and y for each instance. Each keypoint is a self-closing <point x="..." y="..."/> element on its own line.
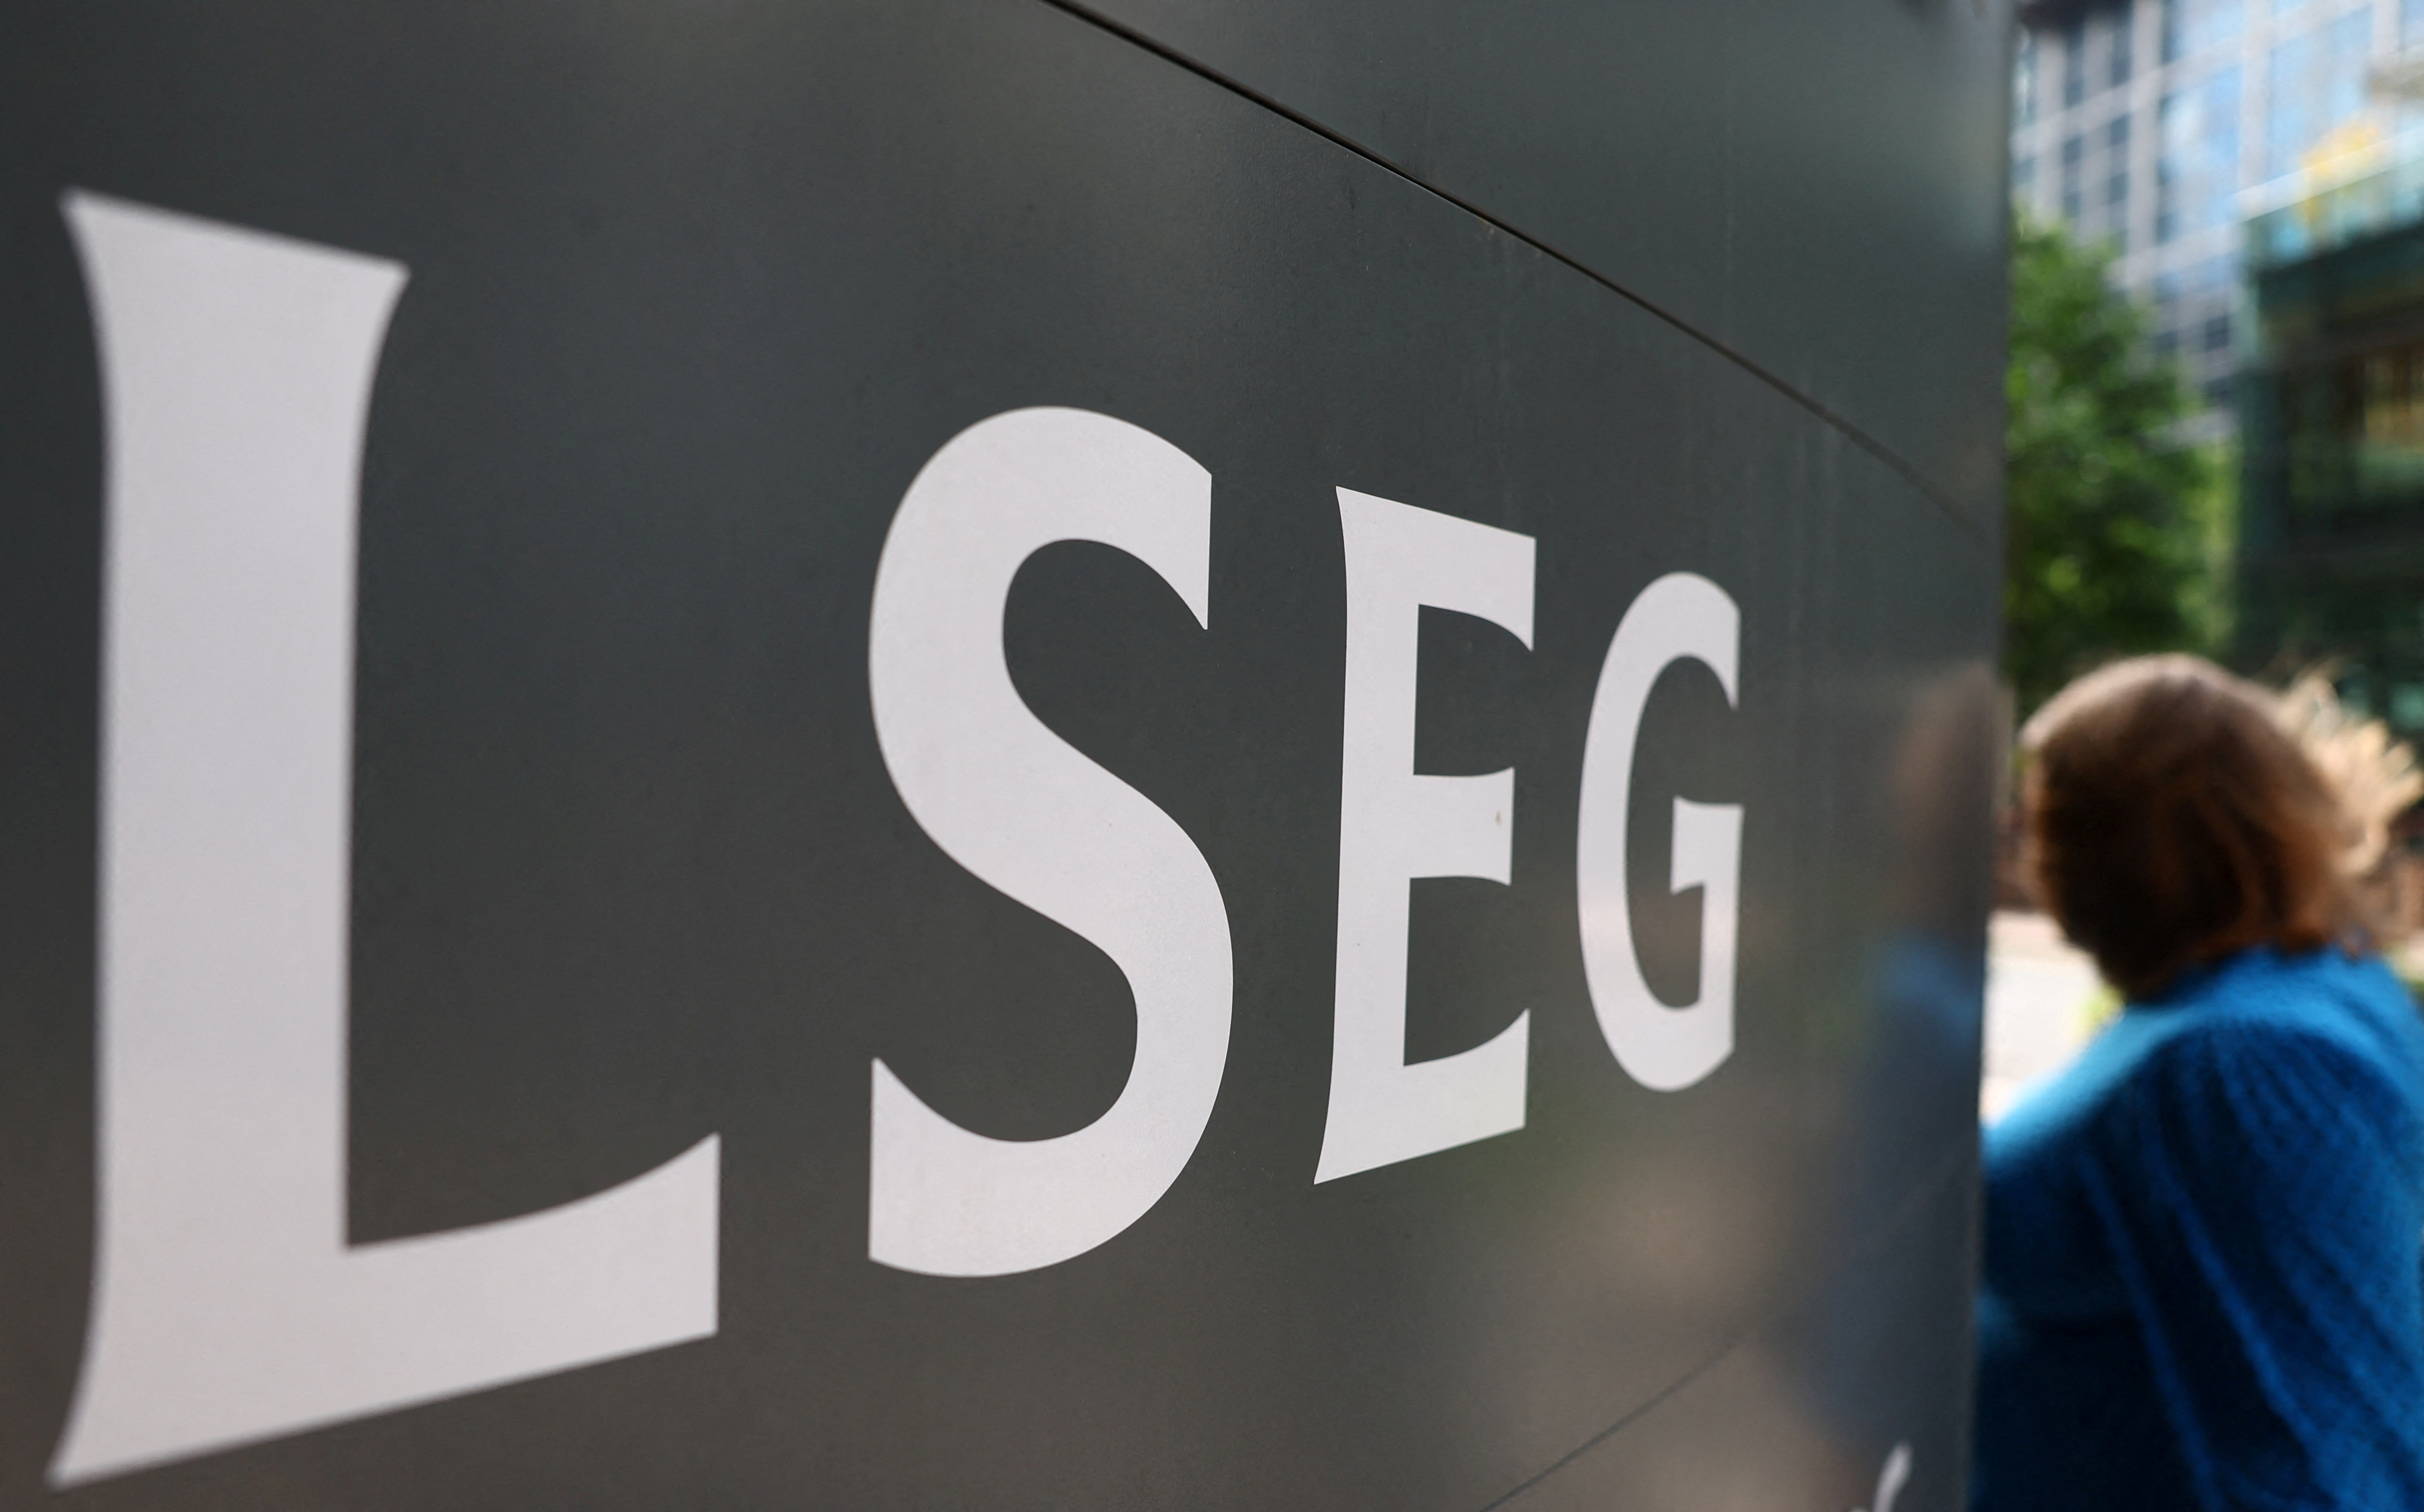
<point x="2216" y="387"/>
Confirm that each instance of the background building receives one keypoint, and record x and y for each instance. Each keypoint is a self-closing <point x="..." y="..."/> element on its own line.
<point x="2161" y="125"/>
<point x="2258" y="168"/>
<point x="2332" y="502"/>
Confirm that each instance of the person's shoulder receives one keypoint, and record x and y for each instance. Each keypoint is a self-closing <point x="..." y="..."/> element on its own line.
<point x="2304" y="1027"/>
<point x="2331" y="992"/>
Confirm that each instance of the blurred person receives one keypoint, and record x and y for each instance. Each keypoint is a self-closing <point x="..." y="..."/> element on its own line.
<point x="2204" y="1272"/>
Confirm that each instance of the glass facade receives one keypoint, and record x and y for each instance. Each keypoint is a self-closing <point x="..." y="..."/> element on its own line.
<point x="2024" y="80"/>
<point x="2193" y="26"/>
<point x="2332" y="502"/>
<point x="2198" y="171"/>
<point x="2316" y="83"/>
<point x="2158" y="127"/>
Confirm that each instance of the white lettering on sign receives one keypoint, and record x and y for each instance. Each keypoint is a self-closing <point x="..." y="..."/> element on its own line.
<point x="1030" y="815"/>
<point x="1395" y="825"/>
<point x="1679" y="617"/>
<point x="228" y="1306"/>
<point x="1892" y="1479"/>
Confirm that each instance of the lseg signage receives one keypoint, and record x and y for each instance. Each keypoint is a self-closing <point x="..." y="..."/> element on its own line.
<point x="904" y="757"/>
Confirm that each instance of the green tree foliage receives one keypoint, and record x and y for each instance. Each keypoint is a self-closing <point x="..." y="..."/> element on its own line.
<point x="2116" y="532"/>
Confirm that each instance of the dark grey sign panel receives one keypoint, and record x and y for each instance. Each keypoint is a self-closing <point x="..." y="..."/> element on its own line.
<point x="887" y="756"/>
<point x="1818" y="186"/>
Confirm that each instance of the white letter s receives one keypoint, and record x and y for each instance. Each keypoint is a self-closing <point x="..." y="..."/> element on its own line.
<point x="1030" y="815"/>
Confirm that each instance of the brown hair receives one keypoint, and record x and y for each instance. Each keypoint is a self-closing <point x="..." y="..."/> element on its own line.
<point x="2173" y="820"/>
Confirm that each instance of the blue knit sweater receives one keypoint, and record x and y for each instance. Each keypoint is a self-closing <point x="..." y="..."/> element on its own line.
<point x="2204" y="1278"/>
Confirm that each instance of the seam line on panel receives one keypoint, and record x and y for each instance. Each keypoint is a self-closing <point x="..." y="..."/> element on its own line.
<point x="1625" y="1421"/>
<point x="1948" y="1168"/>
<point x="1832" y="418"/>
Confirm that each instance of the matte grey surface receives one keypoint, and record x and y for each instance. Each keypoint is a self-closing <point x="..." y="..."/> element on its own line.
<point x="1838" y="1403"/>
<point x="1819" y="186"/>
<point x="694" y="292"/>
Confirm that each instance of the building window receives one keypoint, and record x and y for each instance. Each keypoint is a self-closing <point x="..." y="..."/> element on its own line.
<point x="2411" y="21"/>
<point x="2116" y="188"/>
<point x="2119" y="72"/>
<point x="2024" y="177"/>
<point x="2191" y="26"/>
<point x="2165" y="345"/>
<point x="2072" y="148"/>
<point x="2211" y="277"/>
<point x="2406" y="706"/>
<point x="2117" y="135"/>
<point x="2024" y="80"/>
<point x="2285" y="123"/>
<point x="2070" y="205"/>
<point x="2216" y="335"/>
<point x="2317" y="83"/>
<point x="2074" y="63"/>
<point x="2198" y="169"/>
